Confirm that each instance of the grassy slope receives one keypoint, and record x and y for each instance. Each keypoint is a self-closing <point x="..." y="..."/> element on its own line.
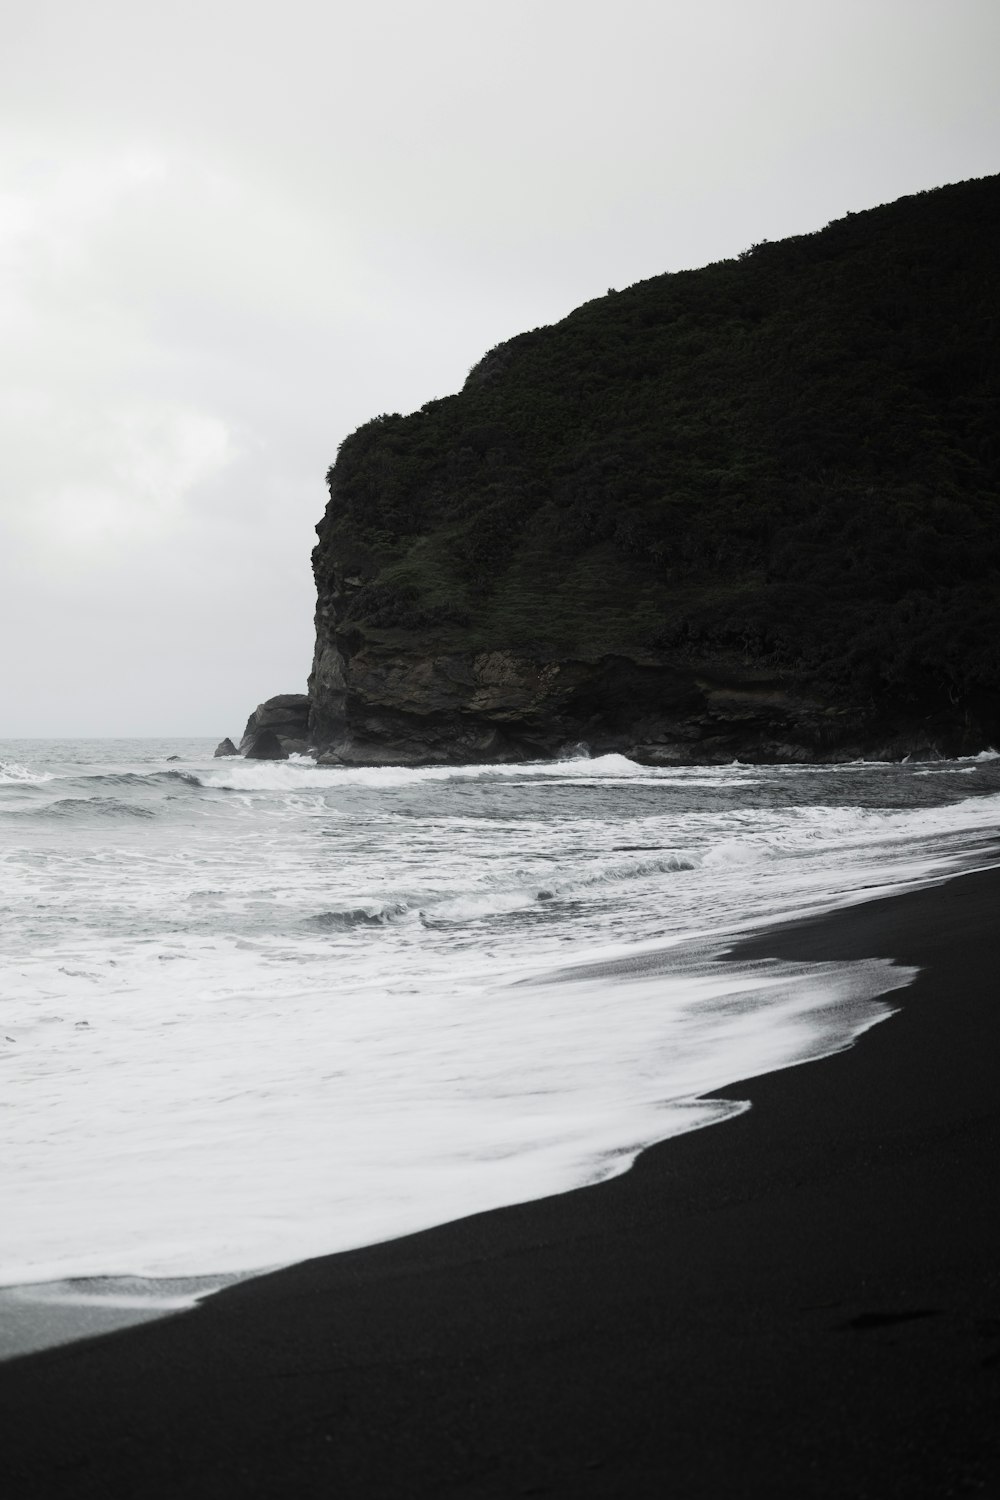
<point x="794" y="455"/>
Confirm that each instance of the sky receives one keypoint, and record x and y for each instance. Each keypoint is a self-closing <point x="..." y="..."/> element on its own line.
<point x="231" y="231"/>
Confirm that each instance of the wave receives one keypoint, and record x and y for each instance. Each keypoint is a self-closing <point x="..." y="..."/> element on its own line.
<point x="736" y="853"/>
<point x="638" y="869"/>
<point x="40" y="782"/>
<point x="301" y="773"/>
<point x="446" y="909"/>
<point x="12" y="773"/>
<point x="136" y="778"/>
<point x="359" y="916"/>
<point x="90" y="807"/>
<point x="97" y="791"/>
<point x="765" y="844"/>
<point x="297" y="774"/>
<point x="477" y="905"/>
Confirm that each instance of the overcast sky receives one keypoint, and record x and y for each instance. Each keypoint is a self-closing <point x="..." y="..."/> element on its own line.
<point x="232" y="230"/>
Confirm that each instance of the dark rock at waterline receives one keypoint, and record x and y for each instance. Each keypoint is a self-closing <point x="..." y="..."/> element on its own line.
<point x="266" y="746"/>
<point x="506" y="706"/>
<point x="225" y="747"/>
<point x="173" y="757"/>
<point x="286" y="716"/>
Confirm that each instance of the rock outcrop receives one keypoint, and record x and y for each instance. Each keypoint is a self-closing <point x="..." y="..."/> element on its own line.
<point x="749" y="512"/>
<point x="283" y="719"/>
<point x="266" y="745"/>
<point x="403" y="709"/>
<point x="225" y="747"/>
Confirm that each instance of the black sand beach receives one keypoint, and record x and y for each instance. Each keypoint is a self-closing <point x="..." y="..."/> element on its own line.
<point x="804" y="1301"/>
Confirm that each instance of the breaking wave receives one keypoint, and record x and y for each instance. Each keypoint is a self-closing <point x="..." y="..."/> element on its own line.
<point x="297" y="773"/>
<point x="12" y="773"/>
<point x="498" y="900"/>
<point x="359" y="916"/>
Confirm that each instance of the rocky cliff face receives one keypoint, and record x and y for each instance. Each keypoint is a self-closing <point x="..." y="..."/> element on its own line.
<point x="748" y="512"/>
<point x="393" y="707"/>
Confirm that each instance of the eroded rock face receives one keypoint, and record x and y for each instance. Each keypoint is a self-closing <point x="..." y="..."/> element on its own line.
<point x="381" y="705"/>
<point x="390" y="706"/>
<point x="284" y="717"/>
<point x="225" y="747"/>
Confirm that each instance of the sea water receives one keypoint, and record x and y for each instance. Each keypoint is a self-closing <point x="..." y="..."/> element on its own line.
<point x="252" y="1012"/>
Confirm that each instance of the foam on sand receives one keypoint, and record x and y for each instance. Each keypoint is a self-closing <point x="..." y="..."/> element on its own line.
<point x="312" y="1130"/>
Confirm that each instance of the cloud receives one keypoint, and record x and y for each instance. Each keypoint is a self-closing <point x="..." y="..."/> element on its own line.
<point x="138" y="439"/>
<point x="229" y="233"/>
<point x="97" y="460"/>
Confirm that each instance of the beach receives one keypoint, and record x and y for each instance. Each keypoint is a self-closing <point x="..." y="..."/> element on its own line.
<point x="804" y="1300"/>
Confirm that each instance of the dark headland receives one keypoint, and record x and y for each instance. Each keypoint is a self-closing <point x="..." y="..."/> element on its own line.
<point x="804" y="1301"/>
<point x="750" y="511"/>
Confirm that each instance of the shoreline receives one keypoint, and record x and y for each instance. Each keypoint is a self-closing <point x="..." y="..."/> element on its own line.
<point x="45" y="1313"/>
<point x="40" y="1315"/>
<point x="806" y="1302"/>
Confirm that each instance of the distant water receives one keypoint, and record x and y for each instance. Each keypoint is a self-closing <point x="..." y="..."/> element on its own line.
<point x="253" y="1012"/>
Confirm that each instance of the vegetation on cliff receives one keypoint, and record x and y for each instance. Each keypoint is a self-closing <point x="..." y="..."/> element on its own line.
<point x="792" y="457"/>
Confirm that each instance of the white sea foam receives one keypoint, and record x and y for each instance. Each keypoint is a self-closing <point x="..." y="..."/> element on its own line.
<point x="254" y="1011"/>
<point x="12" y="773"/>
<point x="300" y="773"/>
<point x="320" y="1129"/>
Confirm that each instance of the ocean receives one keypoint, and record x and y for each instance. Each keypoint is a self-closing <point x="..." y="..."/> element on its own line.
<point x="255" y="1011"/>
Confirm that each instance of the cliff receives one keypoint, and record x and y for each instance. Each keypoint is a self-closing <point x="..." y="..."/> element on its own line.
<point x="746" y="511"/>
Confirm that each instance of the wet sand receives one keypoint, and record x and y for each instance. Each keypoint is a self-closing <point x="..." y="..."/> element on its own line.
<point x="42" y="1315"/>
<point x="804" y="1301"/>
